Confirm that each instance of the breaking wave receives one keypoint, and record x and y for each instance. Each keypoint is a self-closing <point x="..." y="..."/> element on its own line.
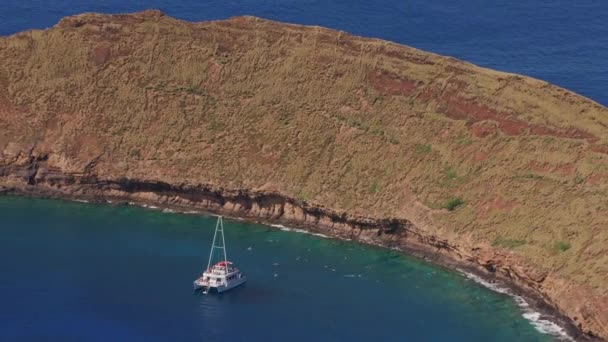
<point x="538" y="321"/>
<point x="297" y="230"/>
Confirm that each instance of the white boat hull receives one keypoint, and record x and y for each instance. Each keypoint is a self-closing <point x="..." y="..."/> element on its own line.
<point x="202" y="284"/>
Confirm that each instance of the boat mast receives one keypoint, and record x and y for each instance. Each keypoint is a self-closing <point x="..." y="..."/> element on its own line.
<point x="224" y="244"/>
<point x="219" y="227"/>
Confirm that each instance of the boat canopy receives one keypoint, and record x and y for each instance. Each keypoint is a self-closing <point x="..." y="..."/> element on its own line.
<point x="223" y="263"/>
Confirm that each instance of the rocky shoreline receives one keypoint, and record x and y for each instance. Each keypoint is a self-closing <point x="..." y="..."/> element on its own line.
<point x="273" y="208"/>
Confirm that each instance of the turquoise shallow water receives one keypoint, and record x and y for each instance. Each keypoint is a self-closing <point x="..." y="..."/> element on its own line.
<point x="75" y="271"/>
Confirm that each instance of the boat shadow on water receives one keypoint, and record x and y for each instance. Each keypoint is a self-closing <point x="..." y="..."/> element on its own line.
<point x="248" y="293"/>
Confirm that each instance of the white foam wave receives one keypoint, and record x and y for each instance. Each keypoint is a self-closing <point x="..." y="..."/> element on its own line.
<point x="540" y="323"/>
<point x="81" y="201"/>
<point x="297" y="230"/>
<point x="153" y="207"/>
<point x="546" y="326"/>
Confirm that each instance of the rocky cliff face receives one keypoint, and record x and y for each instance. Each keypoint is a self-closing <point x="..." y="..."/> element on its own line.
<point x="358" y="138"/>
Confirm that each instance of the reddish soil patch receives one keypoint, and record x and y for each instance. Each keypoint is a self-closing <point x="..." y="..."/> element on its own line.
<point x="596" y="179"/>
<point x="480" y="156"/>
<point x="348" y="110"/>
<point x="570" y="133"/>
<point x="542" y="130"/>
<point x="8" y="113"/>
<point x="485" y="208"/>
<point x="462" y="109"/>
<point x="87" y="147"/>
<point x="390" y="84"/>
<point x="345" y="135"/>
<point x="599" y="148"/>
<point x="101" y="55"/>
<point x="471" y="151"/>
<point x="563" y="169"/>
<point x="4" y="106"/>
<point x="513" y="127"/>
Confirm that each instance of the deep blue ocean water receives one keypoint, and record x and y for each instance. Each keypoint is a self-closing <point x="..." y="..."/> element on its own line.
<point x="562" y="42"/>
<point x="82" y="272"/>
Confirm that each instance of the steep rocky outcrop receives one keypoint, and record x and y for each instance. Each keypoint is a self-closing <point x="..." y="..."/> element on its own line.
<point x="356" y="138"/>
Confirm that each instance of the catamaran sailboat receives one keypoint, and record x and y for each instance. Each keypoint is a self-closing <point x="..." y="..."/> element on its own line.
<point x="222" y="276"/>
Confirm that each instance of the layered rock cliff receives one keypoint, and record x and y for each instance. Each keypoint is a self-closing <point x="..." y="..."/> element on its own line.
<point x="356" y="137"/>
